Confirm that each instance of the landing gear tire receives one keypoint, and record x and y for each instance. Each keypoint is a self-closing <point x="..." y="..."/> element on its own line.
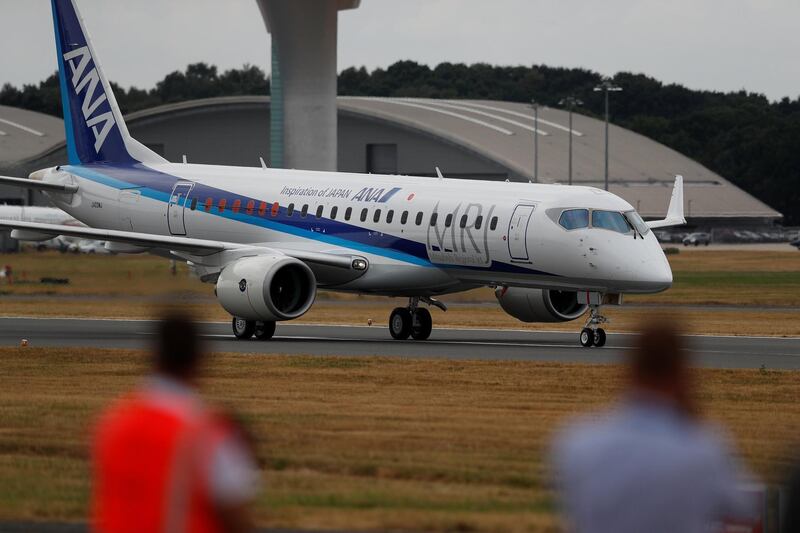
<point x="243" y="329"/>
<point x="587" y="337"/>
<point x="421" y="324"/>
<point x="599" y="337"/>
<point x="264" y="330"/>
<point x="400" y="323"/>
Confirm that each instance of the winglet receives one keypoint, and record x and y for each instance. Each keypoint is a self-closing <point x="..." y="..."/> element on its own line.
<point x="263" y="164"/>
<point x="675" y="211"/>
<point x="439" y="173"/>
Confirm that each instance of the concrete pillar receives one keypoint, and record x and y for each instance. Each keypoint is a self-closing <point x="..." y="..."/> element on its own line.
<point x="304" y="41"/>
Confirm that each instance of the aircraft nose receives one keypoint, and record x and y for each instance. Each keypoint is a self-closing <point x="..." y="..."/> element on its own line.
<point x="658" y="273"/>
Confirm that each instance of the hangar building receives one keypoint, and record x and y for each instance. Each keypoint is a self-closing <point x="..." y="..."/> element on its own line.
<point x="470" y="139"/>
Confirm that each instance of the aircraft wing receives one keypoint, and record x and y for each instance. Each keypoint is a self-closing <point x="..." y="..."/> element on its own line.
<point x="675" y="211"/>
<point x="187" y="245"/>
<point x="37" y="185"/>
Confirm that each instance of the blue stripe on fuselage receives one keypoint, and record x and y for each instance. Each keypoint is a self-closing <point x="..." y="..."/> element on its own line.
<point x="159" y="185"/>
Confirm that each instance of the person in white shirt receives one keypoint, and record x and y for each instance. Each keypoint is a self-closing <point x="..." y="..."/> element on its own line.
<point x="649" y="464"/>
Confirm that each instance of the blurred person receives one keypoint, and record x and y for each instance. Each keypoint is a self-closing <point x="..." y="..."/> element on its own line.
<point x="790" y="521"/>
<point x="163" y="460"/>
<point x="649" y="464"/>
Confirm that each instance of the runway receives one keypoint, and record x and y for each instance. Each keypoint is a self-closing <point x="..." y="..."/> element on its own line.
<point x="489" y="344"/>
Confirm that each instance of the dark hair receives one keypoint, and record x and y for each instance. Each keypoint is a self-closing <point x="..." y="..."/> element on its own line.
<point x="177" y="346"/>
<point x="659" y="353"/>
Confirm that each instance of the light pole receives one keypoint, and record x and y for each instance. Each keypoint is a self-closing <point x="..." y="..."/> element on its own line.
<point x="570" y="102"/>
<point x="607" y="86"/>
<point x="535" y="107"/>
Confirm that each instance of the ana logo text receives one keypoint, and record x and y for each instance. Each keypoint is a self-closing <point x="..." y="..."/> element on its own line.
<point x="89" y="80"/>
<point x="370" y="194"/>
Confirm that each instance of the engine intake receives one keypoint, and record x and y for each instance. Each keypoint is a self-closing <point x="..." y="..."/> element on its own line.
<point x="267" y="287"/>
<point x="539" y="305"/>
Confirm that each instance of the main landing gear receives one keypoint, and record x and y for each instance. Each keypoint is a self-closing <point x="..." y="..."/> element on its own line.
<point x="591" y="334"/>
<point x="244" y="329"/>
<point x="413" y="321"/>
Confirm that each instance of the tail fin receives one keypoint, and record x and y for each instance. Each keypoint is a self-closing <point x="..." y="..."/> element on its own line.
<point x="94" y="126"/>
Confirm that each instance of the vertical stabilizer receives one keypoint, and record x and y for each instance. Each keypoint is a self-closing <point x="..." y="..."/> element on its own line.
<point x="94" y="126"/>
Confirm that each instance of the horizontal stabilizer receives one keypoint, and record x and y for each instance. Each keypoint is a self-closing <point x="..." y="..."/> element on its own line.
<point x="37" y="185"/>
<point x="675" y="211"/>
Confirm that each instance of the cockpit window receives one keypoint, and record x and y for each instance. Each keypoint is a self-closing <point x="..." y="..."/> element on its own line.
<point x="610" y="220"/>
<point x="574" y="218"/>
<point x="636" y="221"/>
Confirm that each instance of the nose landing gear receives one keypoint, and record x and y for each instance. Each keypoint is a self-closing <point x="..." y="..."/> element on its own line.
<point x="592" y="334"/>
<point x="413" y="321"/>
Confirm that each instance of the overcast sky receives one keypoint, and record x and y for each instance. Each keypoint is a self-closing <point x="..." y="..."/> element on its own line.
<point x="704" y="44"/>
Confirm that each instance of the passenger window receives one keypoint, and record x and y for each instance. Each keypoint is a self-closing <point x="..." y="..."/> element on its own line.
<point x="347" y="213"/>
<point x="419" y="218"/>
<point x="574" y="219"/>
<point x="290" y="210"/>
<point x="479" y="222"/>
<point x="319" y="211"/>
<point x="209" y="203"/>
<point x="463" y="223"/>
<point x="434" y="217"/>
<point x="221" y="205"/>
<point x="364" y="215"/>
<point x="276" y="208"/>
<point x="304" y="211"/>
<point x="236" y="205"/>
<point x="250" y="206"/>
<point x="194" y="204"/>
<point x="404" y="217"/>
<point x="377" y="216"/>
<point x="610" y="220"/>
<point x="389" y="216"/>
<point x="493" y="224"/>
<point x="334" y="210"/>
<point x="448" y="220"/>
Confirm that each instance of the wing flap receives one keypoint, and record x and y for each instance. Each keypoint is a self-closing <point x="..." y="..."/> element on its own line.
<point x="147" y="240"/>
<point x="186" y="245"/>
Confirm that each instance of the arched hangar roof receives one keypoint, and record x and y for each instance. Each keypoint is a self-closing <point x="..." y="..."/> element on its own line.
<point x="641" y="170"/>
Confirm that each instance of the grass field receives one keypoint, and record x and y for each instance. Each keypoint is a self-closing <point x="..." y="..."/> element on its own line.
<point x="747" y="277"/>
<point x="136" y="286"/>
<point x="363" y="442"/>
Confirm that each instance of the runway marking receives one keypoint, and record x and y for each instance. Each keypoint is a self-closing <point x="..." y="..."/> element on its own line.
<point x="442" y="328"/>
<point x="279" y="338"/>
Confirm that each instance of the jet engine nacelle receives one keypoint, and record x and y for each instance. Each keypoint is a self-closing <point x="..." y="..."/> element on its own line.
<point x="539" y="305"/>
<point x="266" y="287"/>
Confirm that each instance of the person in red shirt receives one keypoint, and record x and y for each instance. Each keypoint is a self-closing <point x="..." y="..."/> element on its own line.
<point x="163" y="460"/>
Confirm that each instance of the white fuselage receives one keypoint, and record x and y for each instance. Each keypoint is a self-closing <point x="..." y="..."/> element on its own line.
<point x="482" y="233"/>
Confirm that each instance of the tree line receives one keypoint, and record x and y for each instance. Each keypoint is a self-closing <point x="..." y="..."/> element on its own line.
<point x="743" y="136"/>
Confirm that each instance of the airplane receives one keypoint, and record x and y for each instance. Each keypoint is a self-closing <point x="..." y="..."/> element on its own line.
<point x="33" y="213"/>
<point x="268" y="239"/>
<point x="48" y="215"/>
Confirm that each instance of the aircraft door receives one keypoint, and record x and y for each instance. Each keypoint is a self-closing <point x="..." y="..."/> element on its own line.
<point x="518" y="233"/>
<point x="176" y="206"/>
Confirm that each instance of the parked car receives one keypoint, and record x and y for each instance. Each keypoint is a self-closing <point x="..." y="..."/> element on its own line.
<point x="697" y="239"/>
<point x="663" y="236"/>
<point x="87" y="246"/>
